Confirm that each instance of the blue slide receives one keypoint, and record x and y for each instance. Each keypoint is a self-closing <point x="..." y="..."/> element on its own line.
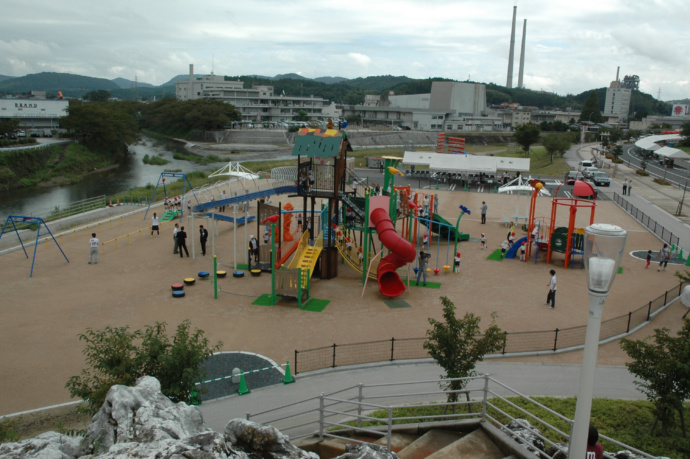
<point x="516" y="246"/>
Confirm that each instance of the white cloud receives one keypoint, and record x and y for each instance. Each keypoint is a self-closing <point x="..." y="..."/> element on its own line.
<point x="571" y="47"/>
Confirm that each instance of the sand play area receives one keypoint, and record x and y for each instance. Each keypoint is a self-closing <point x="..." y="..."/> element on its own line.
<point x="130" y="285"/>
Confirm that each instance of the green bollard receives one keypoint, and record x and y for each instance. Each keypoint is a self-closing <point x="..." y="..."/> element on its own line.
<point x="243" y="386"/>
<point x="288" y="379"/>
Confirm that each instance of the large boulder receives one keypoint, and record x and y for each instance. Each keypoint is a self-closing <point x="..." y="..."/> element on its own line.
<point x="367" y="451"/>
<point x="49" y="445"/>
<point x="142" y="414"/>
<point x="262" y="441"/>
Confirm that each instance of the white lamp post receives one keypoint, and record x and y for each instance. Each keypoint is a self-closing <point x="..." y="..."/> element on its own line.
<point x="604" y="246"/>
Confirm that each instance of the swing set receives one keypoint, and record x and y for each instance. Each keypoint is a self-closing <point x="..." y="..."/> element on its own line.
<point x="25" y="222"/>
<point x="161" y="180"/>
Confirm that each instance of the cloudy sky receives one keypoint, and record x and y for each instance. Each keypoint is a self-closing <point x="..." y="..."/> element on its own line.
<point x="572" y="46"/>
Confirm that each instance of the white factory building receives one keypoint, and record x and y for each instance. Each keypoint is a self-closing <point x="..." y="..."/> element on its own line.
<point x="256" y="104"/>
<point x="34" y="113"/>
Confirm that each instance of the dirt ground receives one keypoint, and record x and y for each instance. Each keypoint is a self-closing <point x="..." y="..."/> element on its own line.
<point x="130" y="285"/>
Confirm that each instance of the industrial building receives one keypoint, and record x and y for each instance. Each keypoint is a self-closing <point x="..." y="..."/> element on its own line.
<point x="34" y="113"/>
<point x="256" y="104"/>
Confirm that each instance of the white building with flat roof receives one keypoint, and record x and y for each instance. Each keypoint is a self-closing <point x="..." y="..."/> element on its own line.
<point x="34" y="113"/>
<point x="256" y="104"/>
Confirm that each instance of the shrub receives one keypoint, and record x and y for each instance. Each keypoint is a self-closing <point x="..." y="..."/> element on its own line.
<point x="662" y="182"/>
<point x="642" y="173"/>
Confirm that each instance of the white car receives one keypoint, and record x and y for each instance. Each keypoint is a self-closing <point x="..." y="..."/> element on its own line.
<point x="587" y="172"/>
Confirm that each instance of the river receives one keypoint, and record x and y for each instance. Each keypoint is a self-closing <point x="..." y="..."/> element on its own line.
<point x="38" y="201"/>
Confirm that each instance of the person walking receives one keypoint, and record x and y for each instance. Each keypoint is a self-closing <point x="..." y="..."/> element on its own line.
<point x="182" y="242"/>
<point x="203" y="237"/>
<point x="483" y="208"/>
<point x="625" y="187"/>
<point x="93" y="249"/>
<point x="482" y="241"/>
<point x="649" y="259"/>
<point x="154" y="225"/>
<point x="664" y="257"/>
<point x="423" y="262"/>
<point x="175" y="231"/>
<point x="552" y="290"/>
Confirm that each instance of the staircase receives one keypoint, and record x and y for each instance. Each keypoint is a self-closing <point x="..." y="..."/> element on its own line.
<point x="307" y="261"/>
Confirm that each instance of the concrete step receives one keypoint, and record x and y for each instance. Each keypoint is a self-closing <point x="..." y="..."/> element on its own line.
<point x="429" y="443"/>
<point x="399" y="441"/>
<point x="476" y="445"/>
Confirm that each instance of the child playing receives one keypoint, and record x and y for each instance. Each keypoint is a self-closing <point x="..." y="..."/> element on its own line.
<point x="504" y="248"/>
<point x="511" y="238"/>
<point x="522" y="251"/>
<point x="360" y="257"/>
<point x="482" y="241"/>
<point x="299" y="222"/>
<point x="457" y="262"/>
<point x="649" y="258"/>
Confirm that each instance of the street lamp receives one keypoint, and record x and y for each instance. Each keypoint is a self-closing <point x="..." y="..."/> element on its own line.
<point x="604" y="246"/>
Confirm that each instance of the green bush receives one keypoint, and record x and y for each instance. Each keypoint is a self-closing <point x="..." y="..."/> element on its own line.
<point x="642" y="173"/>
<point x="662" y="182"/>
<point x="120" y="356"/>
<point x="155" y="160"/>
<point x="9" y="431"/>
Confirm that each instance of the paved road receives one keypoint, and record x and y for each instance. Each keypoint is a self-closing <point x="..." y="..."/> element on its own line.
<point x="526" y="378"/>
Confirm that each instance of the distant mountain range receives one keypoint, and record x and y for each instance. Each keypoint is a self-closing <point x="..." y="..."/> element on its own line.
<point x="337" y="89"/>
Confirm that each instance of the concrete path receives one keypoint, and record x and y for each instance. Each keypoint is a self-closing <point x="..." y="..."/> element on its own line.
<point x="529" y="379"/>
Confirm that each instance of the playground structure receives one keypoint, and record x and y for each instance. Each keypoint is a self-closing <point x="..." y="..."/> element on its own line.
<point x="170" y="214"/>
<point x="25" y="222"/>
<point x="544" y="233"/>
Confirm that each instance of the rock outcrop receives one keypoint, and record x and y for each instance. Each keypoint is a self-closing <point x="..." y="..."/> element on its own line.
<point x="140" y="422"/>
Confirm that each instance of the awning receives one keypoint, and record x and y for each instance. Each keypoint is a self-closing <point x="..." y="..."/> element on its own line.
<point x="651" y="143"/>
<point x="672" y="153"/>
<point x="444" y="162"/>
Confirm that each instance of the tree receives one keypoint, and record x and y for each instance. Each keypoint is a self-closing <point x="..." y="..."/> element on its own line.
<point x="617" y="151"/>
<point x="104" y="128"/>
<point x="526" y="135"/>
<point x="556" y="143"/>
<point x="662" y="367"/>
<point x="100" y="95"/>
<point x="8" y="125"/>
<point x="685" y="131"/>
<point x="302" y="116"/>
<point x="457" y="345"/>
<point x="590" y="110"/>
<point x="120" y="356"/>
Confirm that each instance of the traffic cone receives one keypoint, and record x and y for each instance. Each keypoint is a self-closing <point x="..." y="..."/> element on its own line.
<point x="110" y="204"/>
<point x="288" y="379"/>
<point x="673" y="246"/>
<point x="680" y="255"/>
<point x="194" y="398"/>
<point x="687" y="262"/>
<point x="118" y="202"/>
<point x="243" y="386"/>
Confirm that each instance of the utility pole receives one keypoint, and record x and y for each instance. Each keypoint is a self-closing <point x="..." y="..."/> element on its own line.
<point x="680" y="204"/>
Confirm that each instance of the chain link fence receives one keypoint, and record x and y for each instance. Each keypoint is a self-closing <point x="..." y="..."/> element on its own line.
<point x="337" y="355"/>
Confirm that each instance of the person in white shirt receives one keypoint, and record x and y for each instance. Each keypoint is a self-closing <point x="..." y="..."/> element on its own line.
<point x="154" y="225"/>
<point x="457" y="262"/>
<point x="93" y="249"/>
<point x="504" y="247"/>
<point x="175" y="230"/>
<point x="552" y="290"/>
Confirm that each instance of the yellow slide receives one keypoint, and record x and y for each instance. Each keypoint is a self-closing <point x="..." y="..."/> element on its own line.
<point x="307" y="257"/>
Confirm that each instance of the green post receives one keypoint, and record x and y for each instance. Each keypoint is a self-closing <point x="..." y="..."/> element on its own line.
<point x="215" y="277"/>
<point x="299" y="288"/>
<point x="273" y="264"/>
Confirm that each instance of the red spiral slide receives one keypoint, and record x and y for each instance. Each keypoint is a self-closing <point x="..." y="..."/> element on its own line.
<point x="402" y="253"/>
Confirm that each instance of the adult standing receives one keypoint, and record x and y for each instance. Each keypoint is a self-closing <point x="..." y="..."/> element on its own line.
<point x="552" y="290"/>
<point x="175" y="231"/>
<point x="664" y="257"/>
<point x="436" y="203"/>
<point x="203" y="237"/>
<point x="484" y="207"/>
<point x="182" y="242"/>
<point x="625" y="187"/>
<point x="223" y="197"/>
<point x="423" y="262"/>
<point x="154" y="225"/>
<point x="629" y="187"/>
<point x="93" y="249"/>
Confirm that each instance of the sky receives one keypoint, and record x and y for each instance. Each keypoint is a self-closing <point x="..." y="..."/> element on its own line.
<point x="571" y="46"/>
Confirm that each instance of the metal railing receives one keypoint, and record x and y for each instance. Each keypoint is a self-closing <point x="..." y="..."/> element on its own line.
<point x="347" y="414"/>
<point x="542" y="341"/>
<point x="663" y="234"/>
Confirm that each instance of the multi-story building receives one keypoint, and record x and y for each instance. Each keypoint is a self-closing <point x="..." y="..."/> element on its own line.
<point x="617" y="103"/>
<point x="450" y="106"/>
<point x="258" y="104"/>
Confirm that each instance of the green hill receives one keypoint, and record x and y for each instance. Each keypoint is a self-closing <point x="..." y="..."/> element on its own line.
<point x="52" y="82"/>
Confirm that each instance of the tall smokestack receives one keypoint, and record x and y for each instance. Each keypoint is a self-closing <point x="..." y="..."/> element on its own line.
<point x="618" y="69"/>
<point x="511" y="54"/>
<point x="522" y="55"/>
<point x="191" y="82"/>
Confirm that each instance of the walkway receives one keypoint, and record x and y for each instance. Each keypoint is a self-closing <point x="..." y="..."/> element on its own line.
<point x="528" y="378"/>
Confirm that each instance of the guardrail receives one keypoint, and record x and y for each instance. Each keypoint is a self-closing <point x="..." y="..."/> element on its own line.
<point x="336" y="414"/>
<point x="518" y="343"/>
<point x="663" y="234"/>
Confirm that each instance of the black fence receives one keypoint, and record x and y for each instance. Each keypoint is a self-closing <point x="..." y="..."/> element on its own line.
<point x="337" y="355"/>
<point x="664" y="234"/>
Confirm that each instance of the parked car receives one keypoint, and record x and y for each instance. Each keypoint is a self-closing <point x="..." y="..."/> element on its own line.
<point x="587" y="172"/>
<point x="573" y="175"/>
<point x="600" y="179"/>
